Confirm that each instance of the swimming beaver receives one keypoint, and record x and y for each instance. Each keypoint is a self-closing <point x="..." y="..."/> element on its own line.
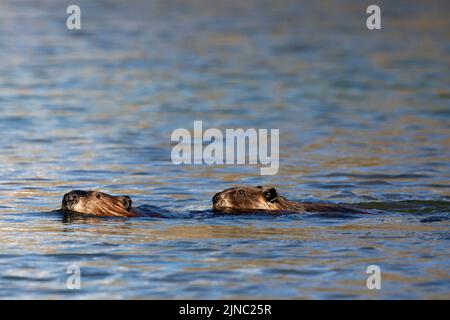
<point x="245" y="199"/>
<point x="98" y="203"/>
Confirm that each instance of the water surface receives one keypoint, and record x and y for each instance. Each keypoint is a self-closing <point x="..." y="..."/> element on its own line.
<point x="363" y="117"/>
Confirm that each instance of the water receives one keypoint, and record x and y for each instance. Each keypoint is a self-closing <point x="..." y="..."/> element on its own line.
<point x="364" y="119"/>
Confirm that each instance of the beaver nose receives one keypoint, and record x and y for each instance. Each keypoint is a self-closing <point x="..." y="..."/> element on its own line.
<point x="71" y="197"/>
<point x="216" y="198"/>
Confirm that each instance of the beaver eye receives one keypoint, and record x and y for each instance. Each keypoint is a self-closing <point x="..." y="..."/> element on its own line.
<point x="98" y="195"/>
<point x="241" y="193"/>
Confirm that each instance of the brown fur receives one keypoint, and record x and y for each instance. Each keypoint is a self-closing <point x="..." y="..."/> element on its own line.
<point x="245" y="199"/>
<point x="98" y="203"/>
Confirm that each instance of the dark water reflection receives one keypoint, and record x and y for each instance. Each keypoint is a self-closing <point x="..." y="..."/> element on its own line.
<point x="363" y="118"/>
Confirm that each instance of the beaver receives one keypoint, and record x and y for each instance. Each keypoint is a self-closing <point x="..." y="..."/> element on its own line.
<point x="266" y="199"/>
<point x="98" y="203"/>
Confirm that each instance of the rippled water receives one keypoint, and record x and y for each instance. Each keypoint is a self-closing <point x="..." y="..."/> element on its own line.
<point x="363" y="117"/>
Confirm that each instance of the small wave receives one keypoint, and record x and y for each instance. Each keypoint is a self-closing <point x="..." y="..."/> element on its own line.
<point x="379" y="176"/>
<point x="410" y="206"/>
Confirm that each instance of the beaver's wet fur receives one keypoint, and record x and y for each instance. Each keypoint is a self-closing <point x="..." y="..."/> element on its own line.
<point x="98" y="204"/>
<point x="266" y="199"/>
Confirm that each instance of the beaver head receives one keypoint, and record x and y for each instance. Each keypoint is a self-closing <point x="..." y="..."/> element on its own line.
<point x="97" y="203"/>
<point x="240" y="199"/>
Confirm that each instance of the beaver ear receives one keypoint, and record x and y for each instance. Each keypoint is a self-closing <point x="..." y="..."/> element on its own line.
<point x="127" y="202"/>
<point x="270" y="194"/>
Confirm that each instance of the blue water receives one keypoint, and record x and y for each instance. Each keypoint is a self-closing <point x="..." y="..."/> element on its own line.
<point x="363" y="118"/>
